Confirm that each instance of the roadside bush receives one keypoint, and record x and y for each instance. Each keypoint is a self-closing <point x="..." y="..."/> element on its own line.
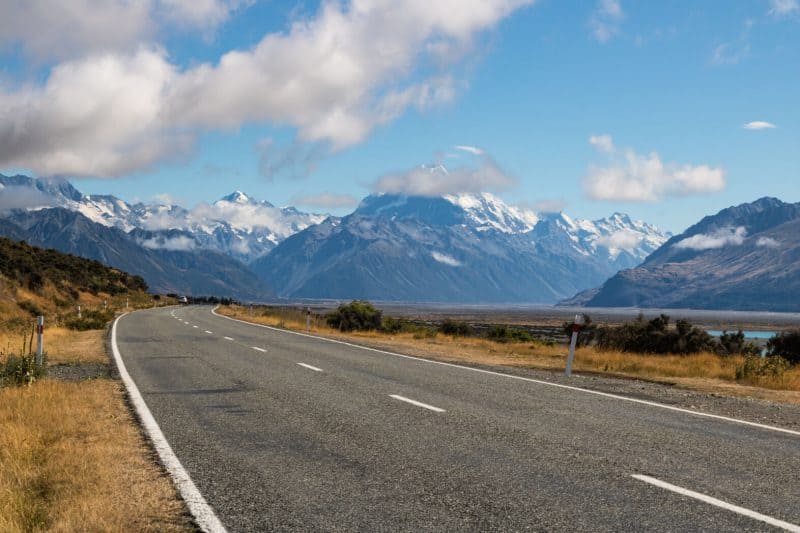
<point x="757" y="367"/>
<point x="397" y="325"/>
<point x="90" y="319"/>
<point x="508" y="334"/>
<point x="787" y="345"/>
<point x="21" y="369"/>
<point x="424" y="332"/>
<point x="358" y="315"/>
<point x="456" y="328"/>
<point x="30" y="307"/>
<point x="655" y="337"/>
<point x="735" y="344"/>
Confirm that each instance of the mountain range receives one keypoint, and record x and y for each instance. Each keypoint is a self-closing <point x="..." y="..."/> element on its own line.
<point x="465" y="248"/>
<point x="452" y="248"/>
<point x="745" y="257"/>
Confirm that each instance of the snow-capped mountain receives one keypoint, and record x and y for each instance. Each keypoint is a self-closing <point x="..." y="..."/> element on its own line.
<point x="459" y="248"/>
<point x="237" y="224"/>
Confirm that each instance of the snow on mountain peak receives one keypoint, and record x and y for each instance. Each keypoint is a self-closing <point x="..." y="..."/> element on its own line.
<point x="236" y="197"/>
<point x="489" y="212"/>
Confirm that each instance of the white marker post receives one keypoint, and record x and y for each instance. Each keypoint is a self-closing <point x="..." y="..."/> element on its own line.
<point x="126" y="303"/>
<point x="39" y="340"/>
<point x="576" y="328"/>
<point x="79" y="311"/>
<point x="308" y="319"/>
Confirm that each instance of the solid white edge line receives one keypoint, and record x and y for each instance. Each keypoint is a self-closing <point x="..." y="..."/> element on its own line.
<point x="310" y="367"/>
<point x="256" y="348"/>
<point x="530" y="380"/>
<point x="719" y="503"/>
<point x="202" y="512"/>
<point x="415" y="402"/>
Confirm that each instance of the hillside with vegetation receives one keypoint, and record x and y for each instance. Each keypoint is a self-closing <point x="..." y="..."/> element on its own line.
<point x="36" y="281"/>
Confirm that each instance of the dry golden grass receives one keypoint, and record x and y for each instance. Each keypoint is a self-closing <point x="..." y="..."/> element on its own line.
<point x="704" y="371"/>
<point x="71" y="455"/>
<point x="72" y="459"/>
<point x="62" y="345"/>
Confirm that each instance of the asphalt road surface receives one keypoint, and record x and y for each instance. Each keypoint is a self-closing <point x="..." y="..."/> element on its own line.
<point x="281" y="431"/>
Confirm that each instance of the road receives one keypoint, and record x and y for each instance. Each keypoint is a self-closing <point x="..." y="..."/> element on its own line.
<point x="281" y="431"/>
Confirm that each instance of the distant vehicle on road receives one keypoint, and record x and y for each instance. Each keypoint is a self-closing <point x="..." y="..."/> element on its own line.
<point x="183" y="300"/>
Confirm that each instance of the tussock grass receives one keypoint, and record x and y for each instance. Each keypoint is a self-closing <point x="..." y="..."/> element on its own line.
<point x="707" y="370"/>
<point x="72" y="459"/>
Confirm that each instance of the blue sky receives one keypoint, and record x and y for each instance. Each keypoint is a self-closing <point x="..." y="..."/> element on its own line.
<point x="595" y="106"/>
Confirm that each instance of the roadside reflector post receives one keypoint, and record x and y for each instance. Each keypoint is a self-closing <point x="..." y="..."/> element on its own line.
<point x="126" y="303"/>
<point x="308" y="318"/>
<point x="105" y="304"/>
<point x="79" y="311"/>
<point x="39" y="340"/>
<point x="576" y="328"/>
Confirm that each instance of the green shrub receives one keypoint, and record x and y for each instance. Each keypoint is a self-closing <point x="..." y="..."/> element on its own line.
<point x="787" y="345"/>
<point x="423" y="332"/>
<point x="30" y="307"/>
<point x="90" y="319"/>
<point x="358" y="315"/>
<point x="456" y="328"/>
<point x="654" y="336"/>
<point x="735" y="344"/>
<point x="755" y="367"/>
<point x="20" y="369"/>
<point x="505" y="333"/>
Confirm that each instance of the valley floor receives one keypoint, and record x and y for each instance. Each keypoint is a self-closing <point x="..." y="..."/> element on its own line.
<point x="72" y="457"/>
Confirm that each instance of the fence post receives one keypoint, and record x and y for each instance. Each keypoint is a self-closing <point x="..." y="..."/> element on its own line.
<point x="576" y="328"/>
<point x="39" y="340"/>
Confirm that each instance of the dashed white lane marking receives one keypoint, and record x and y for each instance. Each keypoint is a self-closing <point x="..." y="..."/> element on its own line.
<point x="203" y="513"/>
<point x="210" y="332"/>
<point x="414" y="402"/>
<point x="196" y="327"/>
<point x="256" y="348"/>
<point x="719" y="503"/>
<point x="522" y="378"/>
<point x="315" y="369"/>
<point x="228" y="338"/>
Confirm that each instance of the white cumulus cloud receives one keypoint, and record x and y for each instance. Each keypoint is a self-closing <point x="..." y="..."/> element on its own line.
<point x="782" y="8"/>
<point x="474" y="150"/>
<point x="19" y="197"/>
<point x="332" y="77"/>
<point x="621" y="240"/>
<point x="767" y="242"/>
<point x="716" y="239"/>
<point x="172" y="244"/>
<point x="759" y="125"/>
<point x="485" y="175"/>
<point x="630" y="176"/>
<point x="605" y="20"/>
<point x="445" y="259"/>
